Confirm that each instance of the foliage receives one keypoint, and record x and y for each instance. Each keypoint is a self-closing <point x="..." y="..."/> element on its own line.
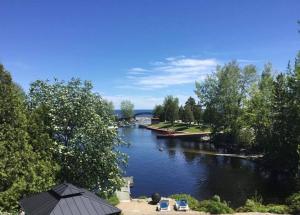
<point x="24" y="167"/>
<point x="257" y="112"/>
<point x="285" y="128"/>
<point x="113" y="200"/>
<point x="110" y="107"/>
<point x="158" y="111"/>
<point x="127" y="109"/>
<point x="222" y="94"/>
<point x="198" y="114"/>
<point x="214" y="206"/>
<point x="79" y="121"/>
<point x="193" y="203"/>
<point x="294" y="203"/>
<point x="261" y="114"/>
<point x="255" y="206"/>
<point x="181" y="113"/>
<point x="171" y="108"/>
<point x="188" y="114"/>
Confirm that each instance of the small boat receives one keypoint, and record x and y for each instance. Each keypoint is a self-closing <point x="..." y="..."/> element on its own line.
<point x="161" y="149"/>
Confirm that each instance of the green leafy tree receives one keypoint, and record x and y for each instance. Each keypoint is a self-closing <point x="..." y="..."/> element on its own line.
<point x="257" y="109"/>
<point x="110" y="107"/>
<point x="181" y="113"/>
<point x="188" y="114"/>
<point x="158" y="111"/>
<point x="191" y="102"/>
<point x="24" y="166"/>
<point x="171" y="108"/>
<point x="127" y="109"/>
<point x="208" y="98"/>
<point x="222" y="95"/>
<point x="79" y="122"/>
<point x="198" y="114"/>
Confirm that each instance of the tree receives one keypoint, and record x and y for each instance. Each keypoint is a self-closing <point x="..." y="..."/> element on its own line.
<point x="110" y="107"/>
<point x="285" y="129"/>
<point x="222" y="95"/>
<point x="171" y="108"/>
<point x="127" y="109"/>
<point x="191" y="102"/>
<point x="257" y="109"/>
<point x="181" y="113"/>
<point x="24" y="167"/>
<point x="188" y="114"/>
<point x="158" y="111"/>
<point x="79" y="122"/>
<point x="198" y="114"/>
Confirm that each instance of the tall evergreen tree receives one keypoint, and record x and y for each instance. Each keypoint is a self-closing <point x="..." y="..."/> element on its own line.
<point x="282" y="154"/>
<point x="22" y="169"/>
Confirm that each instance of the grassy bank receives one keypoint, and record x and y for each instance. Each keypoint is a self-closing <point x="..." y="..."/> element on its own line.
<point x="181" y="127"/>
<point x="216" y="206"/>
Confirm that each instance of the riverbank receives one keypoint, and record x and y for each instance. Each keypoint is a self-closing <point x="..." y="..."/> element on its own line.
<point x="179" y="128"/>
<point x="164" y="132"/>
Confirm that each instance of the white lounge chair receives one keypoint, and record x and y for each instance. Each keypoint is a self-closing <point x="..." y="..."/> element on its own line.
<point x="181" y="205"/>
<point x="163" y="205"/>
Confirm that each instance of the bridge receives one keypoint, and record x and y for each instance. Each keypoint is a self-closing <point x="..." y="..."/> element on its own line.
<point x="143" y="113"/>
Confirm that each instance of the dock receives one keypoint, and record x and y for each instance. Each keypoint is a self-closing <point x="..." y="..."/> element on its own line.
<point x="124" y="193"/>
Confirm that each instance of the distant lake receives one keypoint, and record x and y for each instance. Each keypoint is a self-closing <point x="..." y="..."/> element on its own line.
<point x="180" y="168"/>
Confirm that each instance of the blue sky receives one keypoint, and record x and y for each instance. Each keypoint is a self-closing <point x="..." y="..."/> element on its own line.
<point x="143" y="50"/>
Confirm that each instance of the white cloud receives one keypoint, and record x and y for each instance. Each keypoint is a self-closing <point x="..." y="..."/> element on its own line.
<point x="137" y="71"/>
<point x="172" y="71"/>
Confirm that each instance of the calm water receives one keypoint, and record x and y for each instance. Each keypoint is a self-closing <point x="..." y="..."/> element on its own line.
<point x="180" y="168"/>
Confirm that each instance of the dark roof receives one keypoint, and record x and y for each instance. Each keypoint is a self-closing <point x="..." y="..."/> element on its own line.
<point x="66" y="199"/>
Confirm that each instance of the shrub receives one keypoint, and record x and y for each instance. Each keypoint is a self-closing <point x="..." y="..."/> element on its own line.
<point x="193" y="203"/>
<point x="113" y="200"/>
<point x="252" y="205"/>
<point x="214" y="206"/>
<point x="278" y="209"/>
<point x="294" y="203"/>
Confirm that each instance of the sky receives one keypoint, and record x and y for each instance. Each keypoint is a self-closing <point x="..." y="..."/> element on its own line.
<point x="143" y="50"/>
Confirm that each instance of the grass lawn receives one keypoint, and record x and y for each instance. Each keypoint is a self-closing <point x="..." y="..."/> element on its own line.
<point x="181" y="127"/>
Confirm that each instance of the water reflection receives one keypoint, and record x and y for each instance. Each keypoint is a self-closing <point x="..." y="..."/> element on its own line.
<point x="171" y="166"/>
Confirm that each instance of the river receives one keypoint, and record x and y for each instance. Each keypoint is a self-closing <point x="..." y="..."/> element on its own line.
<point x="170" y="166"/>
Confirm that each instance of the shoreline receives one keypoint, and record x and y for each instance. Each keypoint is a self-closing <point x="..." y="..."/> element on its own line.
<point x="176" y="134"/>
<point x="172" y="133"/>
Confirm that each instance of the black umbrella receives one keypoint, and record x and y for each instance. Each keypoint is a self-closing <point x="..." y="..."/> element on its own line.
<point x="66" y="199"/>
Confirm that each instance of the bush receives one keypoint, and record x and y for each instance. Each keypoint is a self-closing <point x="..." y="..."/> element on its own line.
<point x="214" y="206"/>
<point x="113" y="200"/>
<point x="278" y="209"/>
<point x="193" y="203"/>
<point x="252" y="205"/>
<point x="294" y="203"/>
